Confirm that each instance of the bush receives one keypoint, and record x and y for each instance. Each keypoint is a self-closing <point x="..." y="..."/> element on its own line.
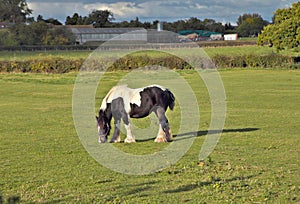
<point x="251" y="60"/>
<point x="51" y="65"/>
<point x="61" y="65"/>
<point x="134" y="62"/>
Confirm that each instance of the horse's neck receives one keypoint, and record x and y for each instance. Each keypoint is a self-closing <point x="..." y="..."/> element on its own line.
<point x="108" y="114"/>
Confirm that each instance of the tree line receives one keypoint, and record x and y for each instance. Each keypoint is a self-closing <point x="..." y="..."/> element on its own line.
<point x="28" y="31"/>
<point x="247" y="24"/>
<point x="105" y="18"/>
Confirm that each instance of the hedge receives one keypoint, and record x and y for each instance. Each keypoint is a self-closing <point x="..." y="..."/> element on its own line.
<point x="61" y="65"/>
<point x="51" y="65"/>
<point x="253" y="61"/>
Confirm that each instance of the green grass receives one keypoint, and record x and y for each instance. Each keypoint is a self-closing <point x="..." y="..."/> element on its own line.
<point x="240" y="50"/>
<point x="255" y="161"/>
<point x="25" y="55"/>
<point x="246" y="50"/>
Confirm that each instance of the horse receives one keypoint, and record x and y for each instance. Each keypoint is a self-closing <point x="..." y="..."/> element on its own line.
<point x="123" y="103"/>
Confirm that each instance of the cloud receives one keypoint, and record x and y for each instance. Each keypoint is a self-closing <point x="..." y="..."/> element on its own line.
<point x="168" y="10"/>
<point x="121" y="10"/>
<point x="56" y="10"/>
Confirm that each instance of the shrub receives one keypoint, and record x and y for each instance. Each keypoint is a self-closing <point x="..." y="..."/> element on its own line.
<point x="61" y="65"/>
<point x="250" y="60"/>
<point x="51" y="65"/>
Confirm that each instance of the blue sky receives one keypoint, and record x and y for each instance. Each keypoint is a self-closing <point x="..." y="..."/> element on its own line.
<point x="168" y="10"/>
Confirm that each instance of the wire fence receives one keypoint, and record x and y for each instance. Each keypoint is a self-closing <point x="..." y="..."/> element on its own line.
<point x="135" y="45"/>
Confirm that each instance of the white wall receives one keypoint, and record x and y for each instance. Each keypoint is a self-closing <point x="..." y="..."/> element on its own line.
<point x="231" y="37"/>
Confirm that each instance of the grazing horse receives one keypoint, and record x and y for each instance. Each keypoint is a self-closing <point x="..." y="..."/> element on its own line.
<point x="123" y="103"/>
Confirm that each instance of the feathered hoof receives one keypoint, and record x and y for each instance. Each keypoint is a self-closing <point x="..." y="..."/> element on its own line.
<point x="129" y="140"/>
<point x="170" y="138"/>
<point x="160" y="139"/>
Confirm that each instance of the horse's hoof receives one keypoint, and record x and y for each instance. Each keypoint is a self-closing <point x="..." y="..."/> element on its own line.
<point x="114" y="141"/>
<point x="170" y="139"/>
<point x="129" y="140"/>
<point x="160" y="139"/>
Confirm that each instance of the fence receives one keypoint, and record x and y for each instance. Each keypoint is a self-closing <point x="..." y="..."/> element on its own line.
<point x="132" y="45"/>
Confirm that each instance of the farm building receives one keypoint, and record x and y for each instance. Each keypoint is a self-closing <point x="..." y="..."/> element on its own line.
<point x="197" y="35"/>
<point x="231" y="37"/>
<point x="86" y="34"/>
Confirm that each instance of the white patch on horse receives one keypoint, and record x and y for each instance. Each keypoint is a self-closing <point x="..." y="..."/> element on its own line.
<point x="136" y="96"/>
<point x="128" y="95"/>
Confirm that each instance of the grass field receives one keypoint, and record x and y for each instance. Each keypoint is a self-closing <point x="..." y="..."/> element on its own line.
<point x="255" y="161"/>
<point x="241" y="50"/>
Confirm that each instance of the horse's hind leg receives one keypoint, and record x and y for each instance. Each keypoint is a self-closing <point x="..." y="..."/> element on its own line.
<point x="160" y="135"/>
<point x="164" y="132"/>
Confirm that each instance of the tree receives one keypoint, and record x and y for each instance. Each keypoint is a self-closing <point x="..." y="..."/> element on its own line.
<point x="285" y="31"/>
<point x="229" y="29"/>
<point x="40" y="31"/>
<point x="53" y="21"/>
<point x="228" y="26"/>
<point x="40" y="18"/>
<point x="75" y="20"/>
<point x="37" y="33"/>
<point x="24" y="34"/>
<point x="100" y="18"/>
<point x="245" y="16"/>
<point x="15" y="11"/>
<point x="58" y="36"/>
<point x="212" y="25"/>
<point x="49" y="20"/>
<point x="194" y="23"/>
<point x="250" y="25"/>
<point x="7" y="38"/>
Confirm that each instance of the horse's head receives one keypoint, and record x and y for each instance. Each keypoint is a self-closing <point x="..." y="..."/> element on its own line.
<point x="103" y="125"/>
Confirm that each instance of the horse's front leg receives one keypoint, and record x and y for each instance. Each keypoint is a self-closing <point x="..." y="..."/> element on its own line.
<point x="117" y="131"/>
<point x="164" y="132"/>
<point x="127" y="124"/>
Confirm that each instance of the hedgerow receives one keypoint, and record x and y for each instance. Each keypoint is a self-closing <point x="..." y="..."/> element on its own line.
<point x="61" y="65"/>
<point x="51" y="65"/>
<point x="253" y="61"/>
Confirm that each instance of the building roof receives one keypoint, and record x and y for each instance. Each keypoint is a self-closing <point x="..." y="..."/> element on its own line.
<point x="80" y="30"/>
<point x="202" y="33"/>
<point x="80" y="26"/>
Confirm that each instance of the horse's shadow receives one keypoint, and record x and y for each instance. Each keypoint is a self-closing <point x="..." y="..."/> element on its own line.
<point x="200" y="184"/>
<point x="187" y="135"/>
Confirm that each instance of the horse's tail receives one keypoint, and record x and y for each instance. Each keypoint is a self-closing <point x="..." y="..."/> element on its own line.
<point x="170" y="99"/>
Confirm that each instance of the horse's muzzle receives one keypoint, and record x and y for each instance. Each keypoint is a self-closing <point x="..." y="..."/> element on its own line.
<point x="102" y="139"/>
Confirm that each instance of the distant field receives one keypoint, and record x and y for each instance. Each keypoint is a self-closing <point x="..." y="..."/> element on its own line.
<point x="255" y="161"/>
<point x="239" y="50"/>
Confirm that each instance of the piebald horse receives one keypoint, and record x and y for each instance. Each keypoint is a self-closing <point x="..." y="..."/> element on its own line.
<point x="123" y="103"/>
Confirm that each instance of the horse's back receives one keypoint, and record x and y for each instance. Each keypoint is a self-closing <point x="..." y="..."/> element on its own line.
<point x="127" y="94"/>
<point x="134" y="96"/>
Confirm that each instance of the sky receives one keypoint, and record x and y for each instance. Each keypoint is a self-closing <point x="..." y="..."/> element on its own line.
<point x="163" y="10"/>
